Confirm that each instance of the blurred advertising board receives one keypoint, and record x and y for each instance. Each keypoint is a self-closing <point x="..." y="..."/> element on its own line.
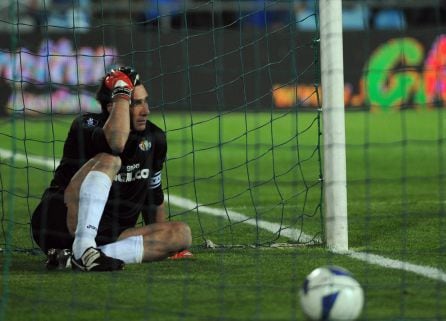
<point x="223" y="69"/>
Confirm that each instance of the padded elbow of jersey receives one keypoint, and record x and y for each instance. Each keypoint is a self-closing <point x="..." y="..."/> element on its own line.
<point x="101" y="144"/>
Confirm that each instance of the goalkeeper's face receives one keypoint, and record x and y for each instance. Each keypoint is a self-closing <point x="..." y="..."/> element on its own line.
<point x="139" y="108"/>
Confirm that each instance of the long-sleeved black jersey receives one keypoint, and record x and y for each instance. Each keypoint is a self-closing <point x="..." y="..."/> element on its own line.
<point x="139" y="179"/>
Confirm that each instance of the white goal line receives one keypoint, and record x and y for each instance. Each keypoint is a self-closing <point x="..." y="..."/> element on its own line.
<point x="291" y="233"/>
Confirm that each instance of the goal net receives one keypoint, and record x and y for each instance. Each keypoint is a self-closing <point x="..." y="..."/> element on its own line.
<point x="233" y="86"/>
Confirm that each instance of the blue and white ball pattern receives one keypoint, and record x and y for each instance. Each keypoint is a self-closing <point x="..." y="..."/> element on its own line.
<point x="331" y="293"/>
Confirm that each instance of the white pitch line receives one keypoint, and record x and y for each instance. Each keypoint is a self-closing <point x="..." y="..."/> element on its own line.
<point x="236" y="217"/>
<point x="36" y="160"/>
<point x="291" y="233"/>
<point x="298" y="235"/>
<point x="426" y="271"/>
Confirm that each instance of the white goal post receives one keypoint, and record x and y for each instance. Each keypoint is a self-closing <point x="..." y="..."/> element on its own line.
<point x="332" y="73"/>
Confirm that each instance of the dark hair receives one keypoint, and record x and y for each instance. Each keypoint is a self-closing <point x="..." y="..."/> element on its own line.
<point x="103" y="94"/>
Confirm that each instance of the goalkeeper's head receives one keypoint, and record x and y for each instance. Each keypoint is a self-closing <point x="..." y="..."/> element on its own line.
<point x="103" y="95"/>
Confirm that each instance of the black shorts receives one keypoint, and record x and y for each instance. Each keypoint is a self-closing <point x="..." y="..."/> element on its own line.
<point x="49" y="224"/>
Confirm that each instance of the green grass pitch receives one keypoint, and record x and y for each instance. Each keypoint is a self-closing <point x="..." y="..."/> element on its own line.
<point x="396" y="194"/>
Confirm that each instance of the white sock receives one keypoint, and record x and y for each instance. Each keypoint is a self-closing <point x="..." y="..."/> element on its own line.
<point x="130" y="249"/>
<point x="93" y="195"/>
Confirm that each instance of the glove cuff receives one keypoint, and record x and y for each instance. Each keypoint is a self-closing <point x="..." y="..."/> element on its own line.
<point x="122" y="92"/>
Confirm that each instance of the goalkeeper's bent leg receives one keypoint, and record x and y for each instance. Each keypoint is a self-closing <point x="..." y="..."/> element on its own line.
<point x="92" y="198"/>
<point x="130" y="249"/>
<point x="161" y="240"/>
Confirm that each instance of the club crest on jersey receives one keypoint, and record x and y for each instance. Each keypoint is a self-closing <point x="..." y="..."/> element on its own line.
<point x="90" y="122"/>
<point x="145" y="145"/>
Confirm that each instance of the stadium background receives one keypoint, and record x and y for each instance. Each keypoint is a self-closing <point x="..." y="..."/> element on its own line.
<point x="215" y="49"/>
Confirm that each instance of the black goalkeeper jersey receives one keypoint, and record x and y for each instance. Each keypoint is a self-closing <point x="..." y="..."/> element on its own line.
<point x="140" y="173"/>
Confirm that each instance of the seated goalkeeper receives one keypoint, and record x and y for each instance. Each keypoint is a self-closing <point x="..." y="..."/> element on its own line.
<point x="109" y="174"/>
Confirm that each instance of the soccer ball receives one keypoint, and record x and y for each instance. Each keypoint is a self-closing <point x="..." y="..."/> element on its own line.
<point x="331" y="293"/>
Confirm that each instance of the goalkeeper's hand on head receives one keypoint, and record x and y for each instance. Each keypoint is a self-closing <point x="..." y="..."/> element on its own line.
<point x="121" y="82"/>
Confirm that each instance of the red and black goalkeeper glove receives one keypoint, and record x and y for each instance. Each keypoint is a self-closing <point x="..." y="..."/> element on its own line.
<point x="121" y="83"/>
